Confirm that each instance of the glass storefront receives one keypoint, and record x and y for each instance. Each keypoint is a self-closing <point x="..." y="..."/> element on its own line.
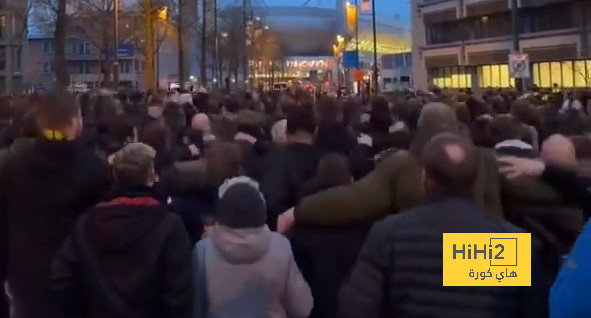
<point x="568" y="74"/>
<point x="452" y="77"/>
<point x="495" y="76"/>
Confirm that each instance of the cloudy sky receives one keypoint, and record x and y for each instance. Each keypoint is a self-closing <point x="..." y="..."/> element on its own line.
<point x="392" y="9"/>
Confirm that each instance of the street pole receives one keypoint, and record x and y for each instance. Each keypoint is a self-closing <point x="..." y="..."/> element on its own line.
<point x="216" y="53"/>
<point x="149" y="55"/>
<point x="357" y="42"/>
<point x="516" y="47"/>
<point x="116" y="32"/>
<point x="375" y="46"/>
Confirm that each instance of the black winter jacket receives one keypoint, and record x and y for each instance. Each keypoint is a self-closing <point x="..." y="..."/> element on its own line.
<point x="42" y="191"/>
<point x="127" y="257"/>
<point x="399" y="270"/>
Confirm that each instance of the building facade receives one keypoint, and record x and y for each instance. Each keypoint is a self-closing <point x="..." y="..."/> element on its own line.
<point x="466" y="43"/>
<point x="12" y="40"/>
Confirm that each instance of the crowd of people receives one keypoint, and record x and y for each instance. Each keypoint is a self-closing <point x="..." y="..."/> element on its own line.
<point x="170" y="204"/>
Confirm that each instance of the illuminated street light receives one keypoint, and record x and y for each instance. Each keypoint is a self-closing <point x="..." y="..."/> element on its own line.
<point x="266" y="27"/>
<point x="258" y="18"/>
<point x="224" y="34"/>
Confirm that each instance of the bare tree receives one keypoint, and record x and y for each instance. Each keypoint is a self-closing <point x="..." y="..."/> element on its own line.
<point x="53" y="15"/>
<point x="184" y="22"/>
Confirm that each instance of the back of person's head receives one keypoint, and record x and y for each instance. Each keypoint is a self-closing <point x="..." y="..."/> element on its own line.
<point x="121" y="131"/>
<point x="249" y="122"/>
<point x="380" y="118"/>
<point x="58" y="117"/>
<point x="506" y="127"/>
<point x="352" y="113"/>
<point x="156" y="135"/>
<point x="200" y="122"/>
<point x="450" y="164"/>
<point x="223" y="161"/>
<point x="133" y="165"/>
<point x="231" y="105"/>
<point x="301" y="119"/>
<point x="241" y="205"/>
<point x="560" y="150"/>
<point x="329" y="110"/>
<point x="334" y="170"/>
<point x="334" y="137"/>
<point x="523" y="111"/>
<point x="436" y="113"/>
<point x="463" y="114"/>
<point x="156" y="106"/>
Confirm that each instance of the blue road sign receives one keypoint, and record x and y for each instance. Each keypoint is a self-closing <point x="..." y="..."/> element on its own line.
<point x="125" y="51"/>
<point x="350" y="59"/>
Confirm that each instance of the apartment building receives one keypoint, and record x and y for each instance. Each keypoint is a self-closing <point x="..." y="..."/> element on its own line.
<point x="466" y="43"/>
<point x="90" y="52"/>
<point x="12" y="39"/>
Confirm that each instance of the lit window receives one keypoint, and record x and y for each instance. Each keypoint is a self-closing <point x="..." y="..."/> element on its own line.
<point x="567" y="74"/>
<point x="545" y="75"/>
<point x="495" y="76"/>
<point x="536" y="74"/>
<point x="556" y="74"/>
<point x="463" y="77"/>
<point x="448" y="77"/>
<point x="580" y="74"/>
<point x="486" y="76"/>
<point x="504" y="75"/>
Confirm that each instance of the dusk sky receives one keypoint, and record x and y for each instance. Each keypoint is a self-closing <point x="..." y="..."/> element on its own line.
<point x="391" y="9"/>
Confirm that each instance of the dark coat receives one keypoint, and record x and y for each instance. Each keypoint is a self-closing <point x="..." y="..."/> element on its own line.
<point x="223" y="128"/>
<point x="289" y="169"/>
<point x="254" y="157"/>
<point x="126" y="257"/>
<point x="42" y="192"/>
<point x="325" y="256"/>
<point x="399" y="269"/>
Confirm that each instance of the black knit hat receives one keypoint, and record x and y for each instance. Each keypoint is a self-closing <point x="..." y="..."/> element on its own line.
<point x="241" y="204"/>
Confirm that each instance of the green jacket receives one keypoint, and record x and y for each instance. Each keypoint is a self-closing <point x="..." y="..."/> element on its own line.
<point x="396" y="185"/>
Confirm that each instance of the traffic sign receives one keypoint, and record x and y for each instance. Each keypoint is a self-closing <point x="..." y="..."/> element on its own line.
<point x="124" y="51"/>
<point x="519" y="65"/>
<point x="350" y="59"/>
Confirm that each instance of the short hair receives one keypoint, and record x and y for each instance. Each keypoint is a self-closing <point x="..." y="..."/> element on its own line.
<point x="133" y="163"/>
<point x="223" y="161"/>
<point x="334" y="169"/>
<point x="328" y="109"/>
<point x="249" y="122"/>
<point x="450" y="161"/>
<point x="232" y="105"/>
<point x="505" y="127"/>
<point x="56" y="111"/>
<point x="301" y="118"/>
<point x="436" y="113"/>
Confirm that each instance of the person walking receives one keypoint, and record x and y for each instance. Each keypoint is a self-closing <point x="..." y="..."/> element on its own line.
<point x="242" y="269"/>
<point x="128" y="256"/>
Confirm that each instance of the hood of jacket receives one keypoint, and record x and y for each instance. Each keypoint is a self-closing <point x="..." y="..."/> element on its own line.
<point x="241" y="246"/>
<point x="123" y="221"/>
